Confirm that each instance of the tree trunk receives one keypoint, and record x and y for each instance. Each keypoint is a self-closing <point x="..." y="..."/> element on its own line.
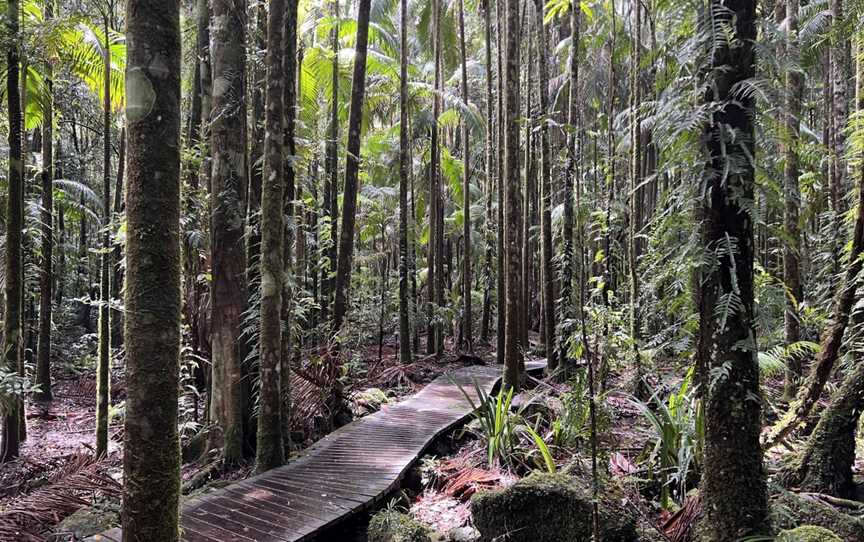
<point x="151" y="464"/>
<point x="103" y="368"/>
<point x="14" y="224"/>
<point x="490" y="183"/>
<point x="570" y="177"/>
<point x="792" y="245"/>
<point x="546" y="262"/>
<point x="256" y="158"/>
<point x="270" y="451"/>
<point x="638" y="385"/>
<point x="841" y="74"/>
<point x="352" y="168"/>
<point x="500" y="292"/>
<point x="467" y="317"/>
<point x="331" y="167"/>
<point x="733" y="472"/>
<point x="513" y="203"/>
<point x="404" y="172"/>
<point x="46" y="278"/>
<point x="228" y="196"/>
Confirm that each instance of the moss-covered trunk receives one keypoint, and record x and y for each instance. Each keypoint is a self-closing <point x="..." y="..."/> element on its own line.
<point x="733" y="484"/>
<point x="270" y="452"/>
<point x="228" y="211"/>
<point x="151" y="464"/>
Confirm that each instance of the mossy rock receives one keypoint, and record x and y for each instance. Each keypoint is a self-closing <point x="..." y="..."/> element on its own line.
<point x="789" y="511"/>
<point x="808" y="533"/>
<point x="392" y="526"/>
<point x="546" y="508"/>
<point x="101" y="516"/>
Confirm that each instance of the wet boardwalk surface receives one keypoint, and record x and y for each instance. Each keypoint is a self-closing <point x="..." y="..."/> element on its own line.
<point x="345" y="473"/>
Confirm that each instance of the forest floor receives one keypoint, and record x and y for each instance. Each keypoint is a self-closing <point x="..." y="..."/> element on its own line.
<point x="57" y="474"/>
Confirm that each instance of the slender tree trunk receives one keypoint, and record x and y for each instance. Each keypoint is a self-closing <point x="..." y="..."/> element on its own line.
<point x="151" y="464"/>
<point x="352" y="168"/>
<point x="792" y="244"/>
<point x="841" y="75"/>
<point x="228" y="196"/>
<point x="570" y="177"/>
<point x="500" y="292"/>
<point x="546" y="197"/>
<point x="256" y="158"/>
<point x="103" y="370"/>
<point x="290" y="88"/>
<point x="435" y="336"/>
<point x="638" y="385"/>
<point x="270" y="451"/>
<point x="404" y="172"/>
<point x="46" y="278"/>
<point x="14" y="223"/>
<point x="467" y="317"/>
<point x="513" y="202"/>
<point x="489" y="226"/>
<point x="332" y="176"/>
<point x="733" y="472"/>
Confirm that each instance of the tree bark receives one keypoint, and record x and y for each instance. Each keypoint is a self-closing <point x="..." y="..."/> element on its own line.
<point x="14" y="224"/>
<point x="638" y="385"/>
<point x="513" y="203"/>
<point x="500" y="292"/>
<point x="46" y="277"/>
<point x="228" y="197"/>
<point x="733" y="472"/>
<point x="352" y="168"/>
<point x="270" y="451"/>
<point x="489" y="226"/>
<point x="404" y="173"/>
<point x="467" y="317"/>
<point x="546" y="263"/>
<point x="103" y="369"/>
<point x="331" y="173"/>
<point x="151" y="464"/>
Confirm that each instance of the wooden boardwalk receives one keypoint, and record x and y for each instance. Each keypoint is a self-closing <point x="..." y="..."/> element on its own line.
<point x="344" y="473"/>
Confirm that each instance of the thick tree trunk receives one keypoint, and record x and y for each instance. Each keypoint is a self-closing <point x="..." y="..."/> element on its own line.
<point x="546" y="264"/>
<point x="513" y="203"/>
<point x="14" y="223"/>
<point x="151" y="464"/>
<point x="792" y="244"/>
<point x="352" y="168"/>
<point x="103" y="368"/>
<point x="228" y="197"/>
<point x="46" y="277"/>
<point x="404" y="173"/>
<point x="270" y="451"/>
<point x="733" y="472"/>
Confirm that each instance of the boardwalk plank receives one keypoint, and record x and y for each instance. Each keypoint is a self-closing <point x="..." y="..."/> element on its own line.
<point x="343" y="473"/>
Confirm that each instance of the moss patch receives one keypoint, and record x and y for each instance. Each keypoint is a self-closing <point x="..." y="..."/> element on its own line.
<point x="392" y="526"/>
<point x="789" y="511"/>
<point x="808" y="533"/>
<point x="101" y="516"/>
<point x="546" y="508"/>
